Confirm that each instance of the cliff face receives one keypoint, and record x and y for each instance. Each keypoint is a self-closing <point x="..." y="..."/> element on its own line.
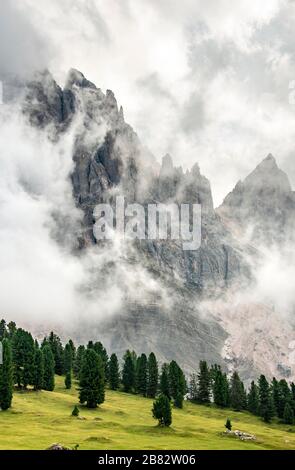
<point x="262" y="207"/>
<point x="109" y="160"/>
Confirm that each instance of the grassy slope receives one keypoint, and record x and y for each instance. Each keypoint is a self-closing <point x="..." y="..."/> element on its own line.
<point x="38" y="419"/>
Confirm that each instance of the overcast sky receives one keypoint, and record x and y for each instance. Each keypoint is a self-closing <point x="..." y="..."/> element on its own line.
<point x="206" y="81"/>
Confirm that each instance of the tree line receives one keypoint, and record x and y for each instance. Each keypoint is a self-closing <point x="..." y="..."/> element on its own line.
<point x="26" y="363"/>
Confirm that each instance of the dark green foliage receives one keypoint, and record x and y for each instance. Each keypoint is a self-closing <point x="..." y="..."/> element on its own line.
<point x="176" y="383"/>
<point x="220" y="389"/>
<point x="92" y="380"/>
<point x="266" y="406"/>
<point x="75" y="411"/>
<point x="48" y="381"/>
<point x="11" y="329"/>
<point x="152" y="376"/>
<point x="162" y="410"/>
<point x="6" y="376"/>
<point x="141" y="375"/>
<point x="204" y="383"/>
<point x="253" y="399"/>
<point x="68" y="358"/>
<point x="114" y="373"/>
<point x="238" y="400"/>
<point x="38" y="369"/>
<point x="178" y="400"/>
<point x="78" y="361"/>
<point x="73" y="348"/>
<point x="102" y="352"/>
<point x="3" y="331"/>
<point x="228" y="424"/>
<point x="284" y="397"/>
<point x="128" y="373"/>
<point x="58" y="353"/>
<point x="68" y="380"/>
<point x="288" y="416"/>
<point x="23" y="350"/>
<point x="193" y="388"/>
<point x="164" y="381"/>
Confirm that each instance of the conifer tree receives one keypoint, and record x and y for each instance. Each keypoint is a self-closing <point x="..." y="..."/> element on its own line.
<point x="78" y="360"/>
<point x="48" y="380"/>
<point x="38" y="368"/>
<point x="58" y="353"/>
<point x="284" y="397"/>
<point x="266" y="407"/>
<point x="73" y="348"/>
<point x="237" y="393"/>
<point x="228" y="424"/>
<point x="75" y="411"/>
<point x="162" y="411"/>
<point x="92" y="380"/>
<point x="275" y="391"/>
<point x="177" y="383"/>
<point x="68" y="380"/>
<point x="23" y="351"/>
<point x="141" y="375"/>
<point x="114" y="373"/>
<point x="288" y="416"/>
<point x="11" y="329"/>
<point x="220" y="389"/>
<point x="2" y="329"/>
<point x="164" y="381"/>
<point x="128" y="373"/>
<point x="6" y="376"/>
<point x="193" y="388"/>
<point x="152" y="376"/>
<point x="253" y="399"/>
<point x="204" y="383"/>
<point x="102" y="352"/>
<point x="68" y="358"/>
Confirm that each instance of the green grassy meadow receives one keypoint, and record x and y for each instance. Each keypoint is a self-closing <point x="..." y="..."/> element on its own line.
<point x="39" y="419"/>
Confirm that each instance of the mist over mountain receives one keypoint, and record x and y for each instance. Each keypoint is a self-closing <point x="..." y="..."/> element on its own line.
<point x="73" y="150"/>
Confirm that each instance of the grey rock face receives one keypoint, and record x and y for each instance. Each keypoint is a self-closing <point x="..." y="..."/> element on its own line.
<point x="263" y="205"/>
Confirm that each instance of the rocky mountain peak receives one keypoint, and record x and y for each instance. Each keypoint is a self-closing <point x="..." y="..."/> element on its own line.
<point x="78" y="79"/>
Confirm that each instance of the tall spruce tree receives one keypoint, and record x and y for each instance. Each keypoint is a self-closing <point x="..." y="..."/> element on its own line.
<point x="48" y="378"/>
<point x="78" y="360"/>
<point x="141" y="375"/>
<point x="177" y="383"/>
<point x="253" y="399"/>
<point x="220" y="389"/>
<point x="114" y="373"/>
<point x="58" y="353"/>
<point x="23" y="350"/>
<point x="266" y="406"/>
<point x="152" y="376"/>
<point x="3" y="331"/>
<point x="204" y="383"/>
<point x="102" y="352"/>
<point x="284" y="397"/>
<point x="68" y="364"/>
<point x="288" y="416"/>
<point x="38" y="368"/>
<point x="6" y="376"/>
<point x="92" y="380"/>
<point x="237" y="393"/>
<point x="128" y="373"/>
<point x="164" y="381"/>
